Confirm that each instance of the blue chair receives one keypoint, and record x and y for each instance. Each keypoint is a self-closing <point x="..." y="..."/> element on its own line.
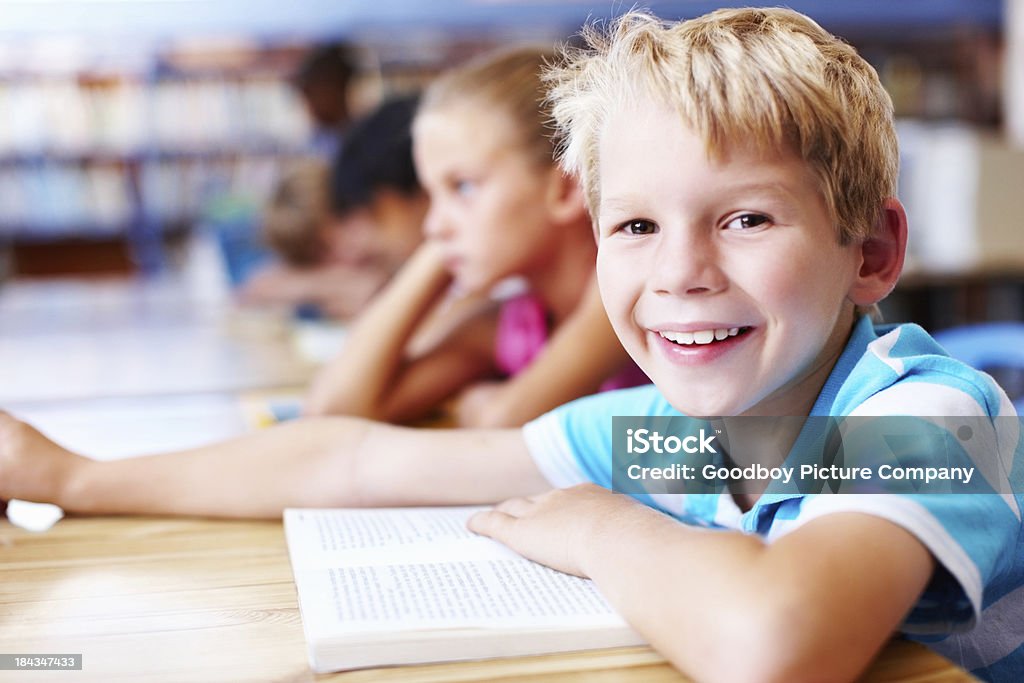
<point x="996" y="348"/>
<point x="235" y="224"/>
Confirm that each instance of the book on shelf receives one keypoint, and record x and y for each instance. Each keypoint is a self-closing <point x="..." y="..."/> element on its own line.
<point x="384" y="587"/>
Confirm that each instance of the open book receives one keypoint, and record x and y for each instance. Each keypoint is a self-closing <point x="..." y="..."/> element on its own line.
<point x="381" y="587"/>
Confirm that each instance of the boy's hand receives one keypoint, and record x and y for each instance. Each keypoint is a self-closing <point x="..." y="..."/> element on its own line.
<point x="557" y="528"/>
<point x="32" y="467"/>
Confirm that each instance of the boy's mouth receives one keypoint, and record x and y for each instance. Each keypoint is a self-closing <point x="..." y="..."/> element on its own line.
<point x="703" y="337"/>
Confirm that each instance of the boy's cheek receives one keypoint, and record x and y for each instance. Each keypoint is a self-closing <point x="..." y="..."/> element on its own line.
<point x="614" y="281"/>
<point x="621" y="316"/>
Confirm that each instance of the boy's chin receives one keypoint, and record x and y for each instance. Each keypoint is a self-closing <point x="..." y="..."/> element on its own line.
<point x="686" y="402"/>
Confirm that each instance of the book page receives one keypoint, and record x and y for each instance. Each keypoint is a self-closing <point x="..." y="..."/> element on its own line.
<point x="512" y="593"/>
<point x="330" y="538"/>
<point x="327" y="531"/>
<point x="420" y="568"/>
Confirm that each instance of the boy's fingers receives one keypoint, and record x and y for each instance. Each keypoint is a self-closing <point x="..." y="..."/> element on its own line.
<point x="492" y="523"/>
<point x="517" y="507"/>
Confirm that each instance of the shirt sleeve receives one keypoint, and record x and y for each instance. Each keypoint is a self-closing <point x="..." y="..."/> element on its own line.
<point x="967" y="534"/>
<point x="973" y="535"/>
<point x="572" y="444"/>
<point x="971" y="531"/>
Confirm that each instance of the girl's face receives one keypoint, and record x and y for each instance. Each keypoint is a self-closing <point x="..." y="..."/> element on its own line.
<point x="488" y="196"/>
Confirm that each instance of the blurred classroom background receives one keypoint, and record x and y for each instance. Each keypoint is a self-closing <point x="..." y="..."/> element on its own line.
<point x="140" y="140"/>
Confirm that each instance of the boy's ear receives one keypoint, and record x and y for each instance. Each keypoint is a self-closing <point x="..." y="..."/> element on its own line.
<point x="881" y="256"/>
<point x="564" y="197"/>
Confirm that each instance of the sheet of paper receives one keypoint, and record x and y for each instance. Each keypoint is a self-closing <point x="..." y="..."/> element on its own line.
<point x="107" y="429"/>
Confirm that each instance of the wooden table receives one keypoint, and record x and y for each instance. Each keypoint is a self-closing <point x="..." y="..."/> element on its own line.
<point x="85" y="340"/>
<point x="182" y="600"/>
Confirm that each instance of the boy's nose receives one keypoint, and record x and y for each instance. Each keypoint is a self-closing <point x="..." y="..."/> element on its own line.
<point x="687" y="264"/>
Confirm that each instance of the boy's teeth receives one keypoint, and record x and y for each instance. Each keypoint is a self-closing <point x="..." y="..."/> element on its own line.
<point x="702" y="336"/>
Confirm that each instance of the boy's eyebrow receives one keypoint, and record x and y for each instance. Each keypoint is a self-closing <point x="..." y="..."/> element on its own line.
<point x="630" y="203"/>
<point x="625" y="203"/>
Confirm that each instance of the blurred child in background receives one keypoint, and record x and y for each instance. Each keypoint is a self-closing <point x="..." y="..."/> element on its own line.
<point x="324" y="81"/>
<point x="341" y="231"/>
<point x="374" y="190"/>
<point x="499" y="207"/>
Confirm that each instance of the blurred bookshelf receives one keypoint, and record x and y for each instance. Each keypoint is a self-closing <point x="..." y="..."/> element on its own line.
<point x="116" y="164"/>
<point x="120" y="144"/>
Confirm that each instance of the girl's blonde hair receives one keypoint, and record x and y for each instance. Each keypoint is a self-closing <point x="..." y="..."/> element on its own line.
<point x="770" y="77"/>
<point x="510" y="81"/>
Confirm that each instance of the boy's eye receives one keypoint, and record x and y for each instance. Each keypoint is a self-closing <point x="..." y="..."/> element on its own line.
<point x="463" y="187"/>
<point x="747" y="221"/>
<point x="638" y="227"/>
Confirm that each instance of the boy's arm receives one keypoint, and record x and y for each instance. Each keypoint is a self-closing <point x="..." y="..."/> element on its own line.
<point x="816" y="604"/>
<point x="374" y="363"/>
<point x="316" y="462"/>
<point x="581" y="354"/>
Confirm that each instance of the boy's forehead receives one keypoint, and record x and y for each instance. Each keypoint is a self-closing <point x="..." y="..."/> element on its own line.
<point x="663" y="122"/>
<point x="647" y="148"/>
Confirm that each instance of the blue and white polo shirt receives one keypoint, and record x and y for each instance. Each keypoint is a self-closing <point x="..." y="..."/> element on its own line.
<point x="973" y="610"/>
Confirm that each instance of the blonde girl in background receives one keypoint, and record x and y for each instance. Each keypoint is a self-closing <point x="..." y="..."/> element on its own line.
<point x="499" y="207"/>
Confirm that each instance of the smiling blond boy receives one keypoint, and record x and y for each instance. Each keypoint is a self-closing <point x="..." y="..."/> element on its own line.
<point x="741" y="172"/>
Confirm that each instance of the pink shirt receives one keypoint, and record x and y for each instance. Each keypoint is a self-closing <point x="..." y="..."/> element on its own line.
<point x="523" y="332"/>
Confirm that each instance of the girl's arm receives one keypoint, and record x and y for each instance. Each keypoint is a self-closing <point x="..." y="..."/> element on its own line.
<point x="374" y="376"/>
<point x="314" y="462"/>
<point x="815" y="605"/>
<point x="581" y="354"/>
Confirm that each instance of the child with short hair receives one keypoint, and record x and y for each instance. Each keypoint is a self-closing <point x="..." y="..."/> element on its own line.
<point x="297" y="212"/>
<point x="741" y="170"/>
<point x="499" y="207"/>
<point x="324" y="79"/>
<point x="342" y="230"/>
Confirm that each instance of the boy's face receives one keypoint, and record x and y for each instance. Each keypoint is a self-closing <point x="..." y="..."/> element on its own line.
<point x="382" y="234"/>
<point x="724" y="279"/>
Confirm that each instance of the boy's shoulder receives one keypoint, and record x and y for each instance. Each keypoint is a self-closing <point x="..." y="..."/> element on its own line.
<point x="902" y="370"/>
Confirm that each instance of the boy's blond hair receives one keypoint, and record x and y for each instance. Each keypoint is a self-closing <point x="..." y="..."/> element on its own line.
<point x="769" y="77"/>
<point x="297" y="212"/>
<point x="509" y="81"/>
